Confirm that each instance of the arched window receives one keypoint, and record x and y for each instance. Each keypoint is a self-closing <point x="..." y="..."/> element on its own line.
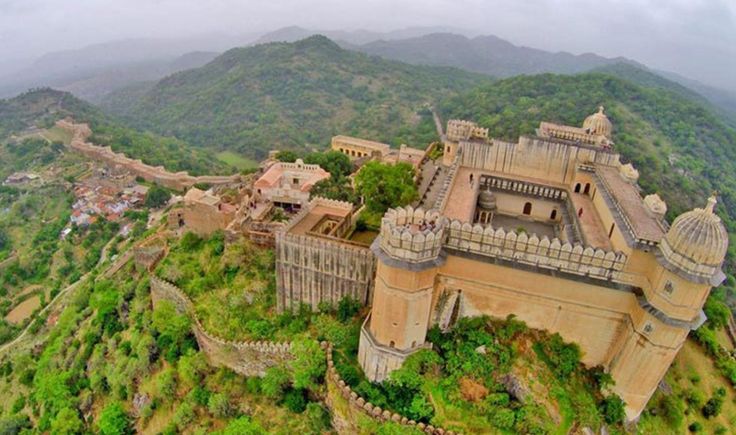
<point x="553" y="215"/>
<point x="528" y="208"/>
<point x="587" y="189"/>
<point x="610" y="232"/>
<point x="580" y="212"/>
<point x="577" y="188"/>
<point x="392" y="344"/>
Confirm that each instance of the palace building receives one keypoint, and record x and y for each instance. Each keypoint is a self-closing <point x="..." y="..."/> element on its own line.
<point x="552" y="229"/>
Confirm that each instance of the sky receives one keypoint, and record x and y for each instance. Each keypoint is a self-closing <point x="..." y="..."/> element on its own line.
<point x="695" y="38"/>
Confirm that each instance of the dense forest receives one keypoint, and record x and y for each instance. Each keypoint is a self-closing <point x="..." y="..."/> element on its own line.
<point x="294" y="96"/>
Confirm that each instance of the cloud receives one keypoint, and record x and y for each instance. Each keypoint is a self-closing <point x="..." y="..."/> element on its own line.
<point x="696" y="37"/>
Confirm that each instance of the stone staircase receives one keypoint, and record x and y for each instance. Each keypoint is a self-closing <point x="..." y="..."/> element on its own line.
<point x="431" y="186"/>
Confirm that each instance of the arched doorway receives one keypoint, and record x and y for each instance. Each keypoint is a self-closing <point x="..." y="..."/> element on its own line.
<point x="553" y="215"/>
<point x="528" y="208"/>
<point x="587" y="189"/>
<point x="577" y="188"/>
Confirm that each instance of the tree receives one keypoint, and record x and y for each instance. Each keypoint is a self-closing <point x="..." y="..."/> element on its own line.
<point x="612" y="408"/>
<point x="67" y="422"/>
<point x="157" y="196"/>
<point x="717" y="312"/>
<point x="243" y="426"/>
<point x="173" y="328"/>
<point x="4" y="240"/>
<point x="275" y="382"/>
<point x="308" y="364"/>
<point x="114" y="420"/>
<point x="191" y="367"/>
<point x="286" y="156"/>
<point x="334" y="162"/>
<point x="386" y="186"/>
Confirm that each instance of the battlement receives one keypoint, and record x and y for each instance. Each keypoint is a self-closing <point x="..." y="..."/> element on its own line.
<point x="530" y="250"/>
<point x="413" y="235"/>
<point x="299" y="165"/>
<point x="458" y="130"/>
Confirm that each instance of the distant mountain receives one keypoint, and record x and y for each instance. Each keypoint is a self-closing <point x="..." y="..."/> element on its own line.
<point x="295" y="96"/>
<point x="348" y="38"/>
<point x="483" y="54"/>
<point x="97" y="69"/>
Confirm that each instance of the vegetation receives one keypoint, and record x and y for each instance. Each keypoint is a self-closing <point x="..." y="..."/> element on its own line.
<point x="385" y="186"/>
<point x="250" y="100"/>
<point x="157" y="196"/>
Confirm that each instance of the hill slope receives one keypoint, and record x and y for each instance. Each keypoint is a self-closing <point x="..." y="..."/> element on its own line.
<point x="40" y="108"/>
<point x="283" y="95"/>
<point x="681" y="148"/>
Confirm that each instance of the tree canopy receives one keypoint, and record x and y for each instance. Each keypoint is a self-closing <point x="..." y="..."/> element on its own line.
<point x="386" y="186"/>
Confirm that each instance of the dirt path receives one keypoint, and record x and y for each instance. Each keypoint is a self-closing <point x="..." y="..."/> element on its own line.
<point x="62" y="293"/>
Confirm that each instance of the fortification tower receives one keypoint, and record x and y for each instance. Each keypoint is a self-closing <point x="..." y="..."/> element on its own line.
<point x="409" y="253"/>
<point x="681" y="272"/>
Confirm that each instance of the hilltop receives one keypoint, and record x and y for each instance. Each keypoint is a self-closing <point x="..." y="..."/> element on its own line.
<point x="292" y="95"/>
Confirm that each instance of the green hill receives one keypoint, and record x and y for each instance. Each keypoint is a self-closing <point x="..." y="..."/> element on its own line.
<point x="282" y="95"/>
<point x="682" y="149"/>
<point x="40" y="108"/>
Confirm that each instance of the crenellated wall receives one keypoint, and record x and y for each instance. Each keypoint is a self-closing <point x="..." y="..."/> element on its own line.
<point x="412" y="235"/>
<point x="155" y="174"/>
<point x="542" y="158"/>
<point x="243" y="357"/>
<point x="530" y="250"/>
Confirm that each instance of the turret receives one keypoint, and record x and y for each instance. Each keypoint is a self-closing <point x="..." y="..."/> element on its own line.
<point x="409" y="252"/>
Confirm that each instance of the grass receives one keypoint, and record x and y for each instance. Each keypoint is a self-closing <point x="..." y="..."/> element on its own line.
<point x="58" y="134"/>
<point x="236" y="160"/>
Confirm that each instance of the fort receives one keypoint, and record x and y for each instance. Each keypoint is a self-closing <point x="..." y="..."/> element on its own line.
<point x="552" y="229"/>
<point x="154" y="174"/>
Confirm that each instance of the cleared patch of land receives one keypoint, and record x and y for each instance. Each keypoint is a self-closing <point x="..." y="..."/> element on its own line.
<point x="23" y="310"/>
<point x="236" y="160"/>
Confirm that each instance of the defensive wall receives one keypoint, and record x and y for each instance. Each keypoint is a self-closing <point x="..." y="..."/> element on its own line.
<point x="155" y="174"/>
<point x="254" y="358"/>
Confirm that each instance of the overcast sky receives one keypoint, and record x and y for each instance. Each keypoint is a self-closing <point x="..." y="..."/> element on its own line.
<point x="696" y="38"/>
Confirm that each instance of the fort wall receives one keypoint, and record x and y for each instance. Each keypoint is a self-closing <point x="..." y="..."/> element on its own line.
<point x="243" y="357"/>
<point x="154" y="174"/>
<point x="535" y="157"/>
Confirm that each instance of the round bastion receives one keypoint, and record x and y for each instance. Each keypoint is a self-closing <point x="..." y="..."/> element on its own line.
<point x="412" y="235"/>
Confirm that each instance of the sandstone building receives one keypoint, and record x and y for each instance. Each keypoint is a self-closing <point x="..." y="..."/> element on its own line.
<point x="552" y="229"/>
<point x="287" y="185"/>
<point x="203" y="213"/>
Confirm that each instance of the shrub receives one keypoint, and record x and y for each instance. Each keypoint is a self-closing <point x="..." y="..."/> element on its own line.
<point x="243" y="426"/>
<point x="695" y="427"/>
<point x="612" y="409"/>
<point x="308" y="365"/>
<point x="318" y="417"/>
<point x="713" y="406"/>
<point x="184" y="415"/>
<point x="347" y="308"/>
<point x="503" y="418"/>
<point x="114" y="420"/>
<point x="295" y="400"/>
<point x="219" y="405"/>
<point x="672" y="410"/>
<point x="157" y="196"/>
<point x="275" y="382"/>
<point x="67" y="422"/>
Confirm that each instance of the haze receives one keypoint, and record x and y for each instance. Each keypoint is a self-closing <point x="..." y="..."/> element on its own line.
<point x="694" y="38"/>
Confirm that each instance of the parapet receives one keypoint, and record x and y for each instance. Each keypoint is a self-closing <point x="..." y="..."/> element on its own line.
<point x="458" y="130"/>
<point x="411" y="235"/>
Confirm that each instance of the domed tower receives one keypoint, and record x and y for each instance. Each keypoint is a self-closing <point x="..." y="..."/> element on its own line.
<point x="409" y="253"/>
<point x="691" y="254"/>
<point x="486" y="206"/>
<point x="598" y="123"/>
<point x="686" y="264"/>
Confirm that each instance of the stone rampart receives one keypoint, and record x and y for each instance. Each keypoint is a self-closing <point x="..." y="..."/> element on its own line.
<point x="155" y="174"/>
<point x="412" y="235"/>
<point x="530" y="250"/>
<point x="243" y="357"/>
<point x="311" y="270"/>
<point x="359" y="404"/>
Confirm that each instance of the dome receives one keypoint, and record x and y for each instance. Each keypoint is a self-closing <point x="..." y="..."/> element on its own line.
<point x="598" y="123"/>
<point x="696" y="244"/>
<point x="487" y="200"/>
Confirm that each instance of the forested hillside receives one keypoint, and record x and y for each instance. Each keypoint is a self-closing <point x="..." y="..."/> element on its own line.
<point x="292" y="96"/>
<point x="681" y="148"/>
<point x="40" y="108"/>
